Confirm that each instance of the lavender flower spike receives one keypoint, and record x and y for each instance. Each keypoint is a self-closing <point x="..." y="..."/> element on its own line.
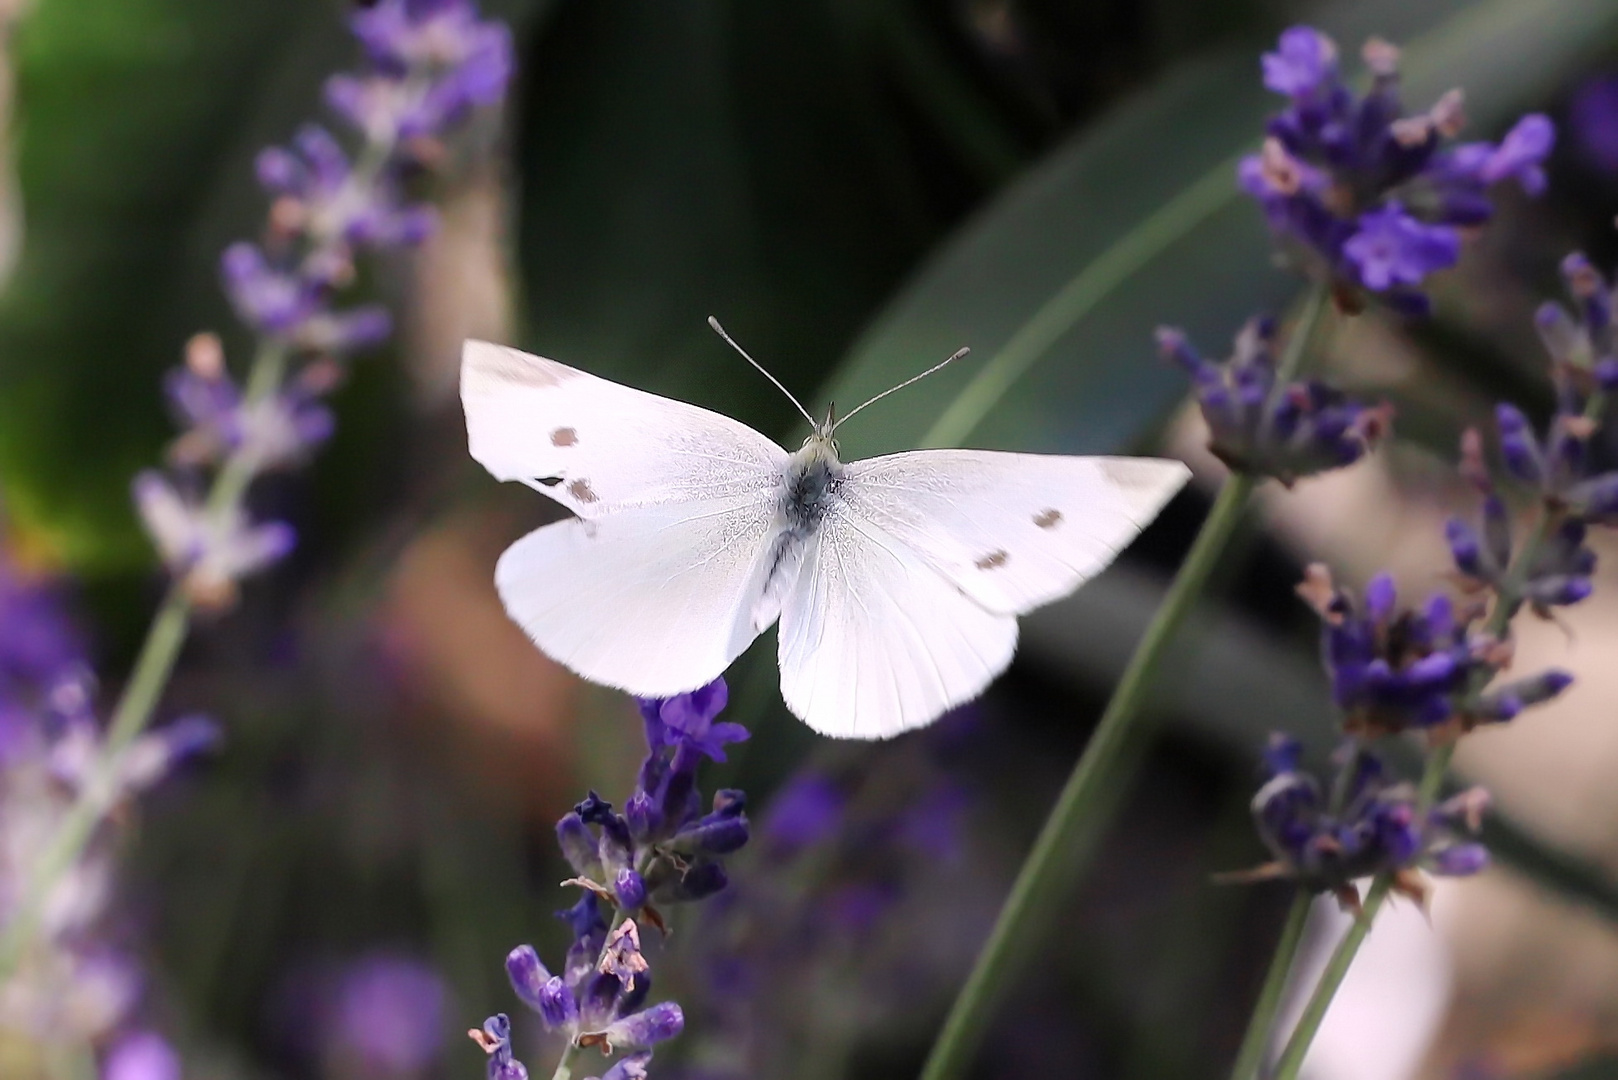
<point x="1261" y="427"/>
<point x="1378" y="827"/>
<point x="1363" y="197"/>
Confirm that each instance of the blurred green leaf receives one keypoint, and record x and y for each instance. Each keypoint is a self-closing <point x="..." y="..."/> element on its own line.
<point x="131" y="117"/>
<point x="1604" y="1067"/>
<point x="138" y="121"/>
<point x="1136" y="222"/>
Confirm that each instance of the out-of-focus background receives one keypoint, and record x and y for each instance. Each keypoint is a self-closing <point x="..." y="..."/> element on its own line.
<point x="855" y="188"/>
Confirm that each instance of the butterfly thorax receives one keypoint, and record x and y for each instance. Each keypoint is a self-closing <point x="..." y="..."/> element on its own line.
<point x="810" y="483"/>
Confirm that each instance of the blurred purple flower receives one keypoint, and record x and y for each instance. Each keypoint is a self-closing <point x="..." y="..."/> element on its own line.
<point x="1593" y="120"/>
<point x="389" y="1011"/>
<point x="143" y="1055"/>
<point x="1392" y="248"/>
<point x="804" y="812"/>
<point x="207" y="551"/>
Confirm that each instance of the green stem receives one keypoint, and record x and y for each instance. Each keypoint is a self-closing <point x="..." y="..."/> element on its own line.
<point x="1330" y="979"/>
<point x="1251" y="1055"/>
<point x="150" y="675"/>
<point x="1085" y="801"/>
<point x="159" y="652"/>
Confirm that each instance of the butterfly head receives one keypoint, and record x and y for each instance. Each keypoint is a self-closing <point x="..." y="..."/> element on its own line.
<point x="822" y="437"/>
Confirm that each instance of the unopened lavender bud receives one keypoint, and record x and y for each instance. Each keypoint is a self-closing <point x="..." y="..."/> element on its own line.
<point x="1459" y="860"/>
<point x="646" y="1028"/>
<point x="643" y="816"/>
<point x="633" y="1067"/>
<point x="629" y="889"/>
<point x="1438" y="668"/>
<point x="697" y="883"/>
<point x="1561" y="336"/>
<point x="1517" y="445"/>
<point x="578" y="845"/>
<point x="1380" y="598"/>
<point x="1282" y="754"/>
<point x="1596" y="497"/>
<point x="557" y="1005"/>
<point x="1606" y="370"/>
<point x="528" y="974"/>
<point x="1465" y="548"/>
<point x="1560" y="590"/>
<point x="1540" y="688"/>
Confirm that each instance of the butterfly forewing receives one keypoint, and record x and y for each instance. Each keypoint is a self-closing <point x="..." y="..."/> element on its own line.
<point x="1012" y="531"/>
<point x="596" y="446"/>
<point x="652" y="589"/>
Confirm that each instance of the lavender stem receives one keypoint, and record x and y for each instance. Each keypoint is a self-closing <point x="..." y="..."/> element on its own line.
<point x="1102" y="770"/>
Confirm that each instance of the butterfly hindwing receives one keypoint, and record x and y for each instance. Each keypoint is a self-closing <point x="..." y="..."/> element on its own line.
<point x="654" y="600"/>
<point x="874" y="641"/>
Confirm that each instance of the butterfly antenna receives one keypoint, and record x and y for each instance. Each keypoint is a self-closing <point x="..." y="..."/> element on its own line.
<point x="720" y="330"/>
<point x="914" y="378"/>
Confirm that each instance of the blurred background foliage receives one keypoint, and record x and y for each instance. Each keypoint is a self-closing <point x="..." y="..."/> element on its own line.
<point x="856" y="188"/>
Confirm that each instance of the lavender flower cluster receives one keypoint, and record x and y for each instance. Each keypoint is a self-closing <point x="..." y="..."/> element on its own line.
<point x="429" y="64"/>
<point x="1366" y="822"/>
<point x="1368" y="201"/>
<point x="75" y="985"/>
<point x="1363" y="196"/>
<point x="662" y="849"/>
<point x="1263" y="426"/>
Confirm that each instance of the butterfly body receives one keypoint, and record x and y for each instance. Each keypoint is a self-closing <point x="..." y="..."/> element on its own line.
<point x="896" y="580"/>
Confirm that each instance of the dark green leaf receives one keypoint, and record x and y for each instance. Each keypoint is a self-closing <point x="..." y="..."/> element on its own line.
<point x="1137" y="222"/>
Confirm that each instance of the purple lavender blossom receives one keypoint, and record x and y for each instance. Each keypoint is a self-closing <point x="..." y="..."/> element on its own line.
<point x="1261" y="427"/>
<point x="1369" y="825"/>
<point x="1391" y="248"/>
<point x="38" y="643"/>
<point x="686" y="720"/>
<point x="207" y="551"/>
<point x="1396" y="669"/>
<point x="429" y="64"/>
<point x="661" y="849"/>
<point x="1364" y="197"/>
<point x="1304" y="62"/>
<point x="390" y="1014"/>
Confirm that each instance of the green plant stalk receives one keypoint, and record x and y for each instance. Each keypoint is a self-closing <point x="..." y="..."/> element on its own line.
<point x="147" y="680"/>
<point x="1432" y="782"/>
<point x="1083" y="806"/>
<point x="158" y="653"/>
<point x="1251" y="1055"/>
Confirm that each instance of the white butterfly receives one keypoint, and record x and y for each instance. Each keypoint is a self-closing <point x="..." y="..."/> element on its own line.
<point x="897" y="580"/>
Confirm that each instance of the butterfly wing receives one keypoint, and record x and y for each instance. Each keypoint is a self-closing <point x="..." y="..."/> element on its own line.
<point x="596" y="446"/>
<point x="1012" y="531"/>
<point x="874" y="641"/>
<point x="906" y="603"/>
<point x="652" y="588"/>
